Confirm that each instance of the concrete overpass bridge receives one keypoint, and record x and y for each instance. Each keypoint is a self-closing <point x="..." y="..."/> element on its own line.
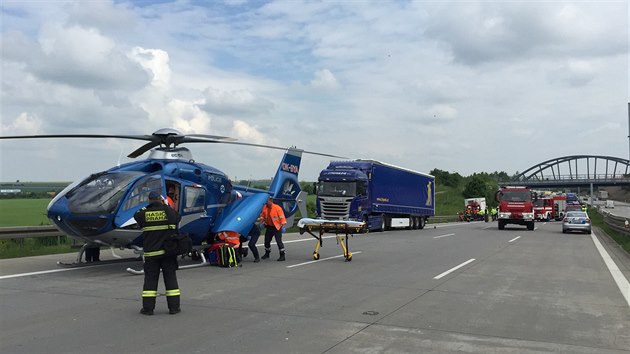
<point x="575" y="171"/>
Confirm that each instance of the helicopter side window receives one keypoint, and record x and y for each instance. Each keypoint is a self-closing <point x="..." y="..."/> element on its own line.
<point x="140" y="192"/>
<point x="194" y="199"/>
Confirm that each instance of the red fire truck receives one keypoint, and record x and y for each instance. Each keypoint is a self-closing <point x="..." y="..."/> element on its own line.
<point x="543" y="209"/>
<point x="516" y="206"/>
<point x="559" y="206"/>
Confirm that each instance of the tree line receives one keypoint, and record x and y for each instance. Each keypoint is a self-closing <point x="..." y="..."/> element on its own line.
<point x="480" y="184"/>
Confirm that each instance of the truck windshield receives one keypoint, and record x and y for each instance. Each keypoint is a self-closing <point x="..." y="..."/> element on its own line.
<point x="538" y="203"/>
<point x="516" y="196"/>
<point x="337" y="189"/>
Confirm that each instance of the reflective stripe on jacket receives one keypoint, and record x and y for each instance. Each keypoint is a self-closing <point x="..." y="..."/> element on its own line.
<point x="158" y="222"/>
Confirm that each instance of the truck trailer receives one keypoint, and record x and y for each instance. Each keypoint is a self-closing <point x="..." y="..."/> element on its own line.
<point x="381" y="195"/>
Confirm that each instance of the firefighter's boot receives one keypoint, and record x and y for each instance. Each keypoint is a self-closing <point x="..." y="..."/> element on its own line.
<point x="266" y="255"/>
<point x="281" y="259"/>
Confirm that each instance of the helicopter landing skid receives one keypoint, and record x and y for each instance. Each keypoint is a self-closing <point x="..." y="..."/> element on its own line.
<point x="80" y="263"/>
<point x="204" y="262"/>
<point x="88" y="264"/>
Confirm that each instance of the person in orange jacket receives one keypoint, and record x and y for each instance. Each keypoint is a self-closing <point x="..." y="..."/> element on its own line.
<point x="273" y="218"/>
<point x="171" y="196"/>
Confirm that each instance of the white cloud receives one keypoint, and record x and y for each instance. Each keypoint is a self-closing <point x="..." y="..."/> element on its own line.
<point x="442" y="112"/>
<point x="247" y="133"/>
<point x="157" y="61"/>
<point x="325" y="80"/>
<point x="574" y="73"/>
<point x="24" y="124"/>
<point x="84" y="58"/>
<point x="235" y="102"/>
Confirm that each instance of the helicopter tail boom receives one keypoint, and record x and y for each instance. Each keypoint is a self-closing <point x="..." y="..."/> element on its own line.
<point x="241" y="215"/>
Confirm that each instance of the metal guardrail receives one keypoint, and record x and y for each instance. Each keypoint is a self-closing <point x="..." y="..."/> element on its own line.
<point x="443" y="218"/>
<point x="16" y="232"/>
<point x="617" y="223"/>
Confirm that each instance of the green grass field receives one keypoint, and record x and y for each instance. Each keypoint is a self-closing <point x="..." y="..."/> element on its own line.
<point x="29" y="212"/>
<point x="23" y="212"/>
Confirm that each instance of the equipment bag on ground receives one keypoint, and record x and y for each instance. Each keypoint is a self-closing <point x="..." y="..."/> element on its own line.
<point x="212" y="256"/>
<point x="178" y="244"/>
<point x="227" y="256"/>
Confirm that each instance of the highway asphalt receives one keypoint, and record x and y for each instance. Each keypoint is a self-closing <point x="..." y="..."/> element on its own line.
<point x="455" y="288"/>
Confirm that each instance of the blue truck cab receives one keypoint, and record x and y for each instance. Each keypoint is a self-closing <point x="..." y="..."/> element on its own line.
<point x="382" y="195"/>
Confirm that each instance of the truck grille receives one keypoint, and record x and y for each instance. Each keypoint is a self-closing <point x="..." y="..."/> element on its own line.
<point x="335" y="208"/>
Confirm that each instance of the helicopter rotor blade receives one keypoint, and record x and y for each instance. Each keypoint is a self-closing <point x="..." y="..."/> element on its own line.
<point x="144" y="148"/>
<point x="281" y="148"/>
<point x="166" y="137"/>
<point x="53" y="136"/>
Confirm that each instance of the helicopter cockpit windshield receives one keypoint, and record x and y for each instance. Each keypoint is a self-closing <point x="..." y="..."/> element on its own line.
<point x="100" y="193"/>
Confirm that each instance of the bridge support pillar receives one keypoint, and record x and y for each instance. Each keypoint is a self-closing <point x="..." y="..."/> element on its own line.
<point x="592" y="199"/>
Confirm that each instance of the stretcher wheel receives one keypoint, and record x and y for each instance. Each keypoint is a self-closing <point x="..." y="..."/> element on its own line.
<point x="349" y="257"/>
<point x="315" y="255"/>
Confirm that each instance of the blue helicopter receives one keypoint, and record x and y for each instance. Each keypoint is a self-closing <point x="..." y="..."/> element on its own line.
<point x="99" y="209"/>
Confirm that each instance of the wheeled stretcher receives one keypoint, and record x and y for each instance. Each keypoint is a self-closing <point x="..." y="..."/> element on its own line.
<point x="343" y="229"/>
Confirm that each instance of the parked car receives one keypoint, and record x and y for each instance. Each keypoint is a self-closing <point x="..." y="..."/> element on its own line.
<point x="576" y="221"/>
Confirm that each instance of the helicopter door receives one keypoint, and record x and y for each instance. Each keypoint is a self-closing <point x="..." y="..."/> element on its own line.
<point x="192" y="207"/>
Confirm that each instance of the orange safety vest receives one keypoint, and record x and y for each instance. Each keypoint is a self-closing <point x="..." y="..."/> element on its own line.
<point x="231" y="237"/>
<point x="273" y="216"/>
<point x="170" y="202"/>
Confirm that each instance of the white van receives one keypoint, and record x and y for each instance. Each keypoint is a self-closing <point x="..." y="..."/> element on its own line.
<point x="610" y="204"/>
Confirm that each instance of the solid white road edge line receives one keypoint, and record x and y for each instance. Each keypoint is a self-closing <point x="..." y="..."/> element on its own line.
<point x="514" y="239"/>
<point x="444" y="236"/>
<point x="36" y="273"/>
<point x="620" y="279"/>
<point x="454" y="269"/>
<point x="320" y="260"/>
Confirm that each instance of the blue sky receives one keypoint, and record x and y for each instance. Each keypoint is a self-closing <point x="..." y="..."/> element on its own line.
<point x="468" y="86"/>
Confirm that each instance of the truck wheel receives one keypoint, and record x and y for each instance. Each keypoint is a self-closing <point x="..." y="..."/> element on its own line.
<point x="501" y="224"/>
<point x="530" y="225"/>
<point x="411" y="223"/>
<point x="383" y="224"/>
<point x="421" y="222"/>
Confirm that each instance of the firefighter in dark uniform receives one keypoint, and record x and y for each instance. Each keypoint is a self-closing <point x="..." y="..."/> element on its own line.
<point x="158" y="221"/>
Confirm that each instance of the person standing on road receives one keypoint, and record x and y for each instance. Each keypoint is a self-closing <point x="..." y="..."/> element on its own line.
<point x="253" y="235"/>
<point x="273" y="218"/>
<point x="158" y="221"/>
